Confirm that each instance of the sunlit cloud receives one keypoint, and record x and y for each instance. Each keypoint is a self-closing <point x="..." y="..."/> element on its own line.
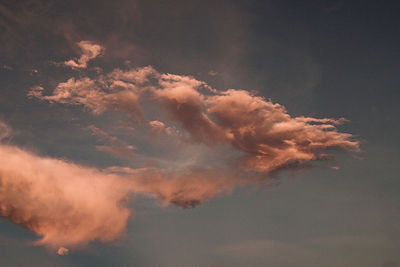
<point x="89" y="50"/>
<point x="69" y="205"/>
<point x="270" y="138"/>
<point x="112" y="144"/>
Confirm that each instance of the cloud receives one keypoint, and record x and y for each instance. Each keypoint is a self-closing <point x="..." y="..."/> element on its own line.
<point x="113" y="145"/>
<point x="89" y="50"/>
<point x="136" y="76"/>
<point x="5" y="130"/>
<point x="185" y="103"/>
<point x="64" y="203"/>
<point x="272" y="138"/>
<point x="90" y="94"/>
<point x="187" y="189"/>
<point x="62" y="251"/>
<point x="158" y="127"/>
<point x="264" y="131"/>
<point x="69" y="205"/>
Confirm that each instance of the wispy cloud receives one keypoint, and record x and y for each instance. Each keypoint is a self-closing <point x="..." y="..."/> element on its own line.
<point x="90" y="50"/>
<point x="69" y="205"/>
<point x="5" y="130"/>
<point x="158" y="127"/>
<point x="112" y="144"/>
<point x="270" y="138"/>
<point x="64" y="203"/>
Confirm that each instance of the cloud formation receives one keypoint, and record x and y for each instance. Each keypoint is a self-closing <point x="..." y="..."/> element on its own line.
<point x="89" y="50"/>
<point x="264" y="131"/>
<point x="70" y="205"/>
<point x="158" y="127"/>
<point x="5" y="130"/>
<point x="112" y="144"/>
<point x="64" y="203"/>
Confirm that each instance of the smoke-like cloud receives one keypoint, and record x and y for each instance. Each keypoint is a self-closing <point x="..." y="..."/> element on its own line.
<point x="69" y="205"/>
<point x="112" y="144"/>
<point x="64" y="203"/>
<point x="270" y="138"/>
<point x="89" y="50"/>
<point x="5" y="130"/>
<point x="158" y="127"/>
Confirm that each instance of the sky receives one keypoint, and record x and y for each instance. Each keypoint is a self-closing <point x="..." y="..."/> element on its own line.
<point x="199" y="133"/>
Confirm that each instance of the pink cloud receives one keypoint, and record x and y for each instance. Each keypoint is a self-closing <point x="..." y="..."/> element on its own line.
<point x="185" y="104"/>
<point x="136" y="76"/>
<point x="89" y="50"/>
<point x="270" y="138"/>
<point x="68" y="211"/>
<point x="92" y="95"/>
<point x="69" y="205"/>
<point x="64" y="203"/>
<point x="112" y="144"/>
<point x="5" y="130"/>
<point x="159" y="127"/>
<point x="62" y="251"/>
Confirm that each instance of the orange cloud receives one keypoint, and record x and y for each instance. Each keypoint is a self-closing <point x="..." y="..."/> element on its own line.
<point x="90" y="51"/>
<point x="64" y="203"/>
<point x="113" y="145"/>
<point x="5" y="130"/>
<point x="269" y="136"/>
<point x="158" y="127"/>
<point x="69" y="205"/>
<point x="90" y="94"/>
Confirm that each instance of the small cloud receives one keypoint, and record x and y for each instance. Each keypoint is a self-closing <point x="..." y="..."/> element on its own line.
<point x="62" y="251"/>
<point x="34" y="72"/>
<point x="159" y="127"/>
<point x="36" y="91"/>
<point x="5" y="130"/>
<point x="90" y="51"/>
<point x="113" y="145"/>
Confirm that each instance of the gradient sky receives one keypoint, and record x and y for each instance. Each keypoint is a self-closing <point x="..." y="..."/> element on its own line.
<point x="318" y="58"/>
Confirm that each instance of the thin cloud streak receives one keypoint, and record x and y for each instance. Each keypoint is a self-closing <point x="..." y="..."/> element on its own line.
<point x="112" y="144"/>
